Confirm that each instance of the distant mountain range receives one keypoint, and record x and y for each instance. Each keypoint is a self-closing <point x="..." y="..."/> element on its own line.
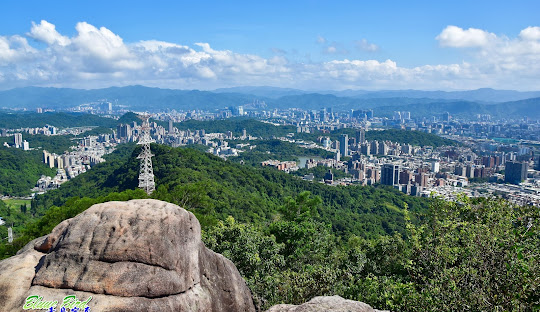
<point x="515" y="109"/>
<point x="479" y="95"/>
<point x="134" y="97"/>
<point x="498" y="103"/>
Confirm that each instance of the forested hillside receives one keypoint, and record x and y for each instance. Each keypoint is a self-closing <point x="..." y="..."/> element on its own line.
<point x="236" y="125"/>
<point x="20" y="170"/>
<point x="417" y="138"/>
<point x="293" y="240"/>
<point x="216" y="189"/>
<point x="276" y="149"/>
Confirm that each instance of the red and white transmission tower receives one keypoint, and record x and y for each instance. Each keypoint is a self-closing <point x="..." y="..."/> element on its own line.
<point x="146" y="173"/>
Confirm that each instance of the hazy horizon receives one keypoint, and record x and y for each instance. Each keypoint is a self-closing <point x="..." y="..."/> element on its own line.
<point x="273" y="87"/>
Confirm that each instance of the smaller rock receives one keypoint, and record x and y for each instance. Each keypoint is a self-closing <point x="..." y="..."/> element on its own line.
<point x="325" y="304"/>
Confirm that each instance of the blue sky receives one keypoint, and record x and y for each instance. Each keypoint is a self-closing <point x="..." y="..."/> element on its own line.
<point x="299" y="44"/>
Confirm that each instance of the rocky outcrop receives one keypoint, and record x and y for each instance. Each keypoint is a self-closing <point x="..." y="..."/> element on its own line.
<point x="325" y="304"/>
<point x="140" y="255"/>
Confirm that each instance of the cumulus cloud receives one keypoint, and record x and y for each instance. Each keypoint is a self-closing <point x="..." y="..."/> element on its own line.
<point x="46" y="32"/>
<point x="364" y="45"/>
<point x="97" y="57"/>
<point x="453" y="36"/>
<point x="100" y="50"/>
<point x="101" y="43"/>
<point x="499" y="57"/>
<point x="530" y="33"/>
<point x="14" y="49"/>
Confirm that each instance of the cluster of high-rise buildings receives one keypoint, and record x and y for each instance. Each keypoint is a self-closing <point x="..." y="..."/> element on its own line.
<point x="88" y="153"/>
<point x="17" y="134"/>
<point x="491" y="153"/>
<point x="47" y="130"/>
<point x="422" y="171"/>
<point x="412" y="169"/>
<point x="216" y="142"/>
<point x="18" y="141"/>
<point x="102" y="107"/>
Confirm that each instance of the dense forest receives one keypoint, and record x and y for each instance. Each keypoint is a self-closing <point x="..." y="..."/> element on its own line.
<point x="20" y="170"/>
<point x="476" y="255"/>
<point x="236" y="125"/>
<point x="215" y="189"/>
<point x="219" y="188"/>
<point x="276" y="149"/>
<point x="417" y="138"/>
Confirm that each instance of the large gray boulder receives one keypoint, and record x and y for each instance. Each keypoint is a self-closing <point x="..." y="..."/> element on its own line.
<point x="140" y="255"/>
<point x="325" y="304"/>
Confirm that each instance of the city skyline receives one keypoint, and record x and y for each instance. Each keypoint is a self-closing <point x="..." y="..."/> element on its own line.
<point x="304" y="45"/>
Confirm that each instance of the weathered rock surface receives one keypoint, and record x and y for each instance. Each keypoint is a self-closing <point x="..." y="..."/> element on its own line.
<point x="325" y="304"/>
<point x="140" y="255"/>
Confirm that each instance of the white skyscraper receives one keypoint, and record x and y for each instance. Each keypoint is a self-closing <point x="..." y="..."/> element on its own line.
<point x="18" y="140"/>
<point x="435" y="166"/>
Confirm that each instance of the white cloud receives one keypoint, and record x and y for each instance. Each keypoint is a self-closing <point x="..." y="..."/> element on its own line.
<point x="366" y="46"/>
<point x="453" y="36"/>
<point x="101" y="50"/>
<point x="97" y="57"/>
<point x="14" y="49"/>
<point x="46" y="32"/>
<point x="530" y="33"/>
<point x="503" y="60"/>
<point x="160" y="46"/>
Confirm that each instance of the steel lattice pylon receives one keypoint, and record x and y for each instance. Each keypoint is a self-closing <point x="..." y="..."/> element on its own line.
<point x="146" y="173"/>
